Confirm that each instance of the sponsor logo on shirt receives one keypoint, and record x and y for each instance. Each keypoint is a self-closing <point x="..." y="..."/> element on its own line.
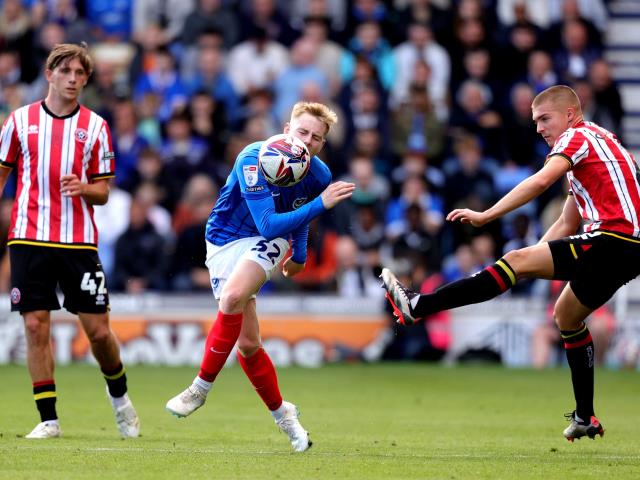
<point x="32" y="130"/>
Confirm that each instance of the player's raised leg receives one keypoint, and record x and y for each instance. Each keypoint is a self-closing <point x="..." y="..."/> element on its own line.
<point x="41" y="366"/>
<point x="245" y="280"/>
<point x="104" y="347"/>
<point x="529" y="262"/>
<point x="261" y="372"/>
<point x="569" y="314"/>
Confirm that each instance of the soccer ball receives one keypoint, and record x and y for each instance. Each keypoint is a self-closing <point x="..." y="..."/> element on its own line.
<point x="284" y="160"/>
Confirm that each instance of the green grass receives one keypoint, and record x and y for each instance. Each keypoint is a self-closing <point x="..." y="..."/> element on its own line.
<point x="367" y="421"/>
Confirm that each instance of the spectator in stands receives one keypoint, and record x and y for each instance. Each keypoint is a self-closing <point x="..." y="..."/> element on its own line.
<point x="416" y="127"/>
<point x="511" y="12"/>
<point x="328" y="53"/>
<point x="212" y="78"/>
<point x="415" y="233"/>
<point x="111" y="21"/>
<point x="425" y="12"/>
<point x="188" y="271"/>
<point x="163" y="80"/>
<point x="16" y="34"/>
<point x="367" y="111"/>
<point x="372" y="188"/>
<point x="355" y="276"/>
<point x="468" y="175"/>
<point x="141" y="252"/>
<point x="128" y="144"/>
<point x="266" y="15"/>
<point x="301" y="70"/>
<point x="606" y="91"/>
<point x="414" y="191"/>
<point x="540" y="74"/>
<point x="473" y="114"/>
<point x="369" y="43"/>
<point x="169" y="15"/>
<point x="417" y="163"/>
<point x="421" y="47"/>
<point x="592" y="14"/>
<point x="256" y="62"/>
<point x="112" y="220"/>
<point x="211" y="15"/>
<point x="209" y="123"/>
<point x="365" y="11"/>
<point x="335" y="11"/>
<point x="513" y="59"/>
<point x="575" y="55"/>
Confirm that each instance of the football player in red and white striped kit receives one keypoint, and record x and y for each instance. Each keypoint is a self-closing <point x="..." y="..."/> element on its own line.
<point x="63" y="155"/>
<point x="604" y="199"/>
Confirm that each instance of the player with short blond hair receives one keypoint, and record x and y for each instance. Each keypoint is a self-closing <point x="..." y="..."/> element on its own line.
<point x="247" y="236"/>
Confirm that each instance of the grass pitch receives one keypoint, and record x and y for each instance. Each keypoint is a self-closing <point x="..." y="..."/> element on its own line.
<point x="389" y="421"/>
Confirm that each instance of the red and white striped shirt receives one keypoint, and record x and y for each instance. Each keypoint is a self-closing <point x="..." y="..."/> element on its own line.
<point x="603" y="178"/>
<point x="44" y="147"/>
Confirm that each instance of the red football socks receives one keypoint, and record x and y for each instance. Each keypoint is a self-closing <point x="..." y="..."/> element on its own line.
<point x="262" y="375"/>
<point x="220" y="341"/>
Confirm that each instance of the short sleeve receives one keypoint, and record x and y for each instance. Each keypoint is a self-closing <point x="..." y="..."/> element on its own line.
<point x="102" y="163"/>
<point x="572" y="145"/>
<point x="9" y="143"/>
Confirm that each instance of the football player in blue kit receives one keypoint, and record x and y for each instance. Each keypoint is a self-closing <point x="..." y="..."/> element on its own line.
<point x="247" y="237"/>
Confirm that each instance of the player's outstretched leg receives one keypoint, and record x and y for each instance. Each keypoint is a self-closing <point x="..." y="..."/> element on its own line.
<point x="48" y="429"/>
<point x="579" y="428"/>
<point x="286" y="417"/>
<point x="484" y="285"/>
<point x="400" y="297"/>
<point x="190" y="399"/>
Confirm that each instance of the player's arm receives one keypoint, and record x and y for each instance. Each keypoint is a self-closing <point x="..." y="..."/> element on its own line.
<point x="521" y="194"/>
<point x="271" y="224"/>
<point x="95" y="193"/>
<point x="567" y="223"/>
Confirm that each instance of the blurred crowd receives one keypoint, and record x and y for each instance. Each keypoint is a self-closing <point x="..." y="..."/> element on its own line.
<point x="433" y="99"/>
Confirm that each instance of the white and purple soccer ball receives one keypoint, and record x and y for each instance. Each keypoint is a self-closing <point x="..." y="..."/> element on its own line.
<point x="284" y="160"/>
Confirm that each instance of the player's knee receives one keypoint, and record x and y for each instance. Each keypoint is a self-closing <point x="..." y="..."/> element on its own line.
<point x="99" y="335"/>
<point x="36" y="328"/>
<point x="517" y="261"/>
<point x="232" y="300"/>
<point x="248" y="346"/>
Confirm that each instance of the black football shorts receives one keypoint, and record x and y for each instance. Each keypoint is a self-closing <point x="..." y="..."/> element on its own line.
<point x="596" y="264"/>
<point x="37" y="271"/>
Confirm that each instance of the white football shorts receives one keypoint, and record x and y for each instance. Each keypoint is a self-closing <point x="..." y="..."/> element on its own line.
<point x="221" y="261"/>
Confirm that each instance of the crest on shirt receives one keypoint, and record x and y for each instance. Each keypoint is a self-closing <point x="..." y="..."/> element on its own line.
<point x="298" y="202"/>
<point x="15" y="295"/>
<point x="81" y="135"/>
<point x="250" y="174"/>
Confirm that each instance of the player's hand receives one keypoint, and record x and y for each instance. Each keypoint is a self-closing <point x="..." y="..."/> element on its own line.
<point x="337" y="192"/>
<point x="464" y="215"/>
<point x="291" y="268"/>
<point x="71" y="186"/>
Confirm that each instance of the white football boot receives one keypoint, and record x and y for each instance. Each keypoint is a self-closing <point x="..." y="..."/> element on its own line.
<point x="187" y="402"/>
<point x="47" y="429"/>
<point x="290" y="425"/>
<point x="126" y="416"/>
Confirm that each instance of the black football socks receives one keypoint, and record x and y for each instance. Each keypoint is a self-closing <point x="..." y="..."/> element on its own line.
<point x="578" y="346"/>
